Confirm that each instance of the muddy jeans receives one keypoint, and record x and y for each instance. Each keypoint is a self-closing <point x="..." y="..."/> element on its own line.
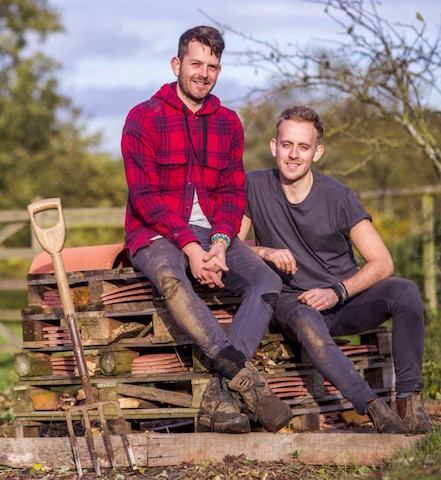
<point x="166" y="266"/>
<point x="394" y="298"/>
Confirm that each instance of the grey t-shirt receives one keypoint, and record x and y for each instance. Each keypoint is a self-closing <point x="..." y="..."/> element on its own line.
<point x="315" y="230"/>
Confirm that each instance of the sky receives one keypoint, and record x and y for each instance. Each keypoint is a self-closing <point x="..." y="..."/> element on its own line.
<point x="115" y="54"/>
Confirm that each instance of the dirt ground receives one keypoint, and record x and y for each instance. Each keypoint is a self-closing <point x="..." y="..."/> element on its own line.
<point x="237" y="468"/>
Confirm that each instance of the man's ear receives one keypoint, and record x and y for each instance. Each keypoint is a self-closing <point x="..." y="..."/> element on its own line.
<point x="176" y="65"/>
<point x="273" y="146"/>
<point x="319" y="150"/>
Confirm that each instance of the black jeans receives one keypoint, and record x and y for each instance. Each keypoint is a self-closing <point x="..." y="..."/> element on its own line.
<point x="258" y="285"/>
<point x="395" y="298"/>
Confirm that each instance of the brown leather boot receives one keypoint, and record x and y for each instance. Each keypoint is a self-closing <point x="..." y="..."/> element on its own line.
<point x="272" y="412"/>
<point x="411" y="410"/>
<point x="220" y="410"/>
<point x="384" y="419"/>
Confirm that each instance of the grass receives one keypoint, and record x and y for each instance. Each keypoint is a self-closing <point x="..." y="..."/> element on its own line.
<point x="423" y="462"/>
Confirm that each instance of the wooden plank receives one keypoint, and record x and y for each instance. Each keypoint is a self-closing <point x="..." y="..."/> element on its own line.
<point x="156" y="394"/>
<point x="7" y="253"/>
<point x="163" y="449"/>
<point x="56" y="452"/>
<point x="12" y="283"/>
<point x="311" y="448"/>
<point x="10" y="315"/>
<point x="128" y="414"/>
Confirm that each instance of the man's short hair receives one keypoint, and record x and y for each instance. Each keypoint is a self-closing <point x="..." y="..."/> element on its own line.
<point x="209" y="36"/>
<point x="301" y="113"/>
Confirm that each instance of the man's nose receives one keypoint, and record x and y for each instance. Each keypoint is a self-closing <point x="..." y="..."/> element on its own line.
<point x="203" y="71"/>
<point x="294" y="153"/>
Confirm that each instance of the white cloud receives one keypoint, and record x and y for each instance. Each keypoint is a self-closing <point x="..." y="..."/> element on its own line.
<point x="114" y="52"/>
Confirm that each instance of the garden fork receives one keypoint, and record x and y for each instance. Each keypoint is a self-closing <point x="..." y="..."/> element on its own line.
<point x="52" y="240"/>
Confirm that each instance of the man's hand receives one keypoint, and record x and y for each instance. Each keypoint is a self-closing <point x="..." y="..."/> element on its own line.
<point x="215" y="259"/>
<point x="319" y="298"/>
<point x="283" y="259"/>
<point x="196" y="255"/>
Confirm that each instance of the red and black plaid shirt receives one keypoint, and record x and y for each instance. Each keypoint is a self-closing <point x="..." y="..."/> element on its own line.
<point x="163" y="167"/>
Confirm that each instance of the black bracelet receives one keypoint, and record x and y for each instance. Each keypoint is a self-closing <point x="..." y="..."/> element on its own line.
<point x="346" y="294"/>
<point x="339" y="291"/>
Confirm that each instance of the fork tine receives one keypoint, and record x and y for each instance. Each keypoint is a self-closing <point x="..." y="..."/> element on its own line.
<point x="74" y="443"/>
<point x="125" y="437"/>
<point x="107" y="440"/>
<point x="89" y="435"/>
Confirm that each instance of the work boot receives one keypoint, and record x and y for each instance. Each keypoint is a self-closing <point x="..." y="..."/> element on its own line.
<point x="411" y="410"/>
<point x="268" y="409"/>
<point x="220" y="410"/>
<point x="384" y="419"/>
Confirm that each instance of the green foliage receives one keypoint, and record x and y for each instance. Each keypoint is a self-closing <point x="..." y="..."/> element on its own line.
<point x="432" y="380"/>
<point x="14" y="268"/>
<point x="7" y="379"/>
<point x="13" y="299"/>
<point x="259" y="126"/>
<point x="369" y="151"/>
<point x="432" y="361"/>
<point x="90" y="236"/>
<point x="407" y="255"/>
<point x="44" y="151"/>
<point x="6" y="414"/>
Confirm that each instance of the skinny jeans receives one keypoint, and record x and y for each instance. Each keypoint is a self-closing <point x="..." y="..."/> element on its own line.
<point x="395" y="298"/>
<point x="259" y="286"/>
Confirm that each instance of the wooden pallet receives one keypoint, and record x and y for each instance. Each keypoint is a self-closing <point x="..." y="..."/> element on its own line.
<point x="125" y="329"/>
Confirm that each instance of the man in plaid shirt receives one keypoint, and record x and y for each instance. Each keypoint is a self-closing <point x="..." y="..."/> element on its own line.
<point x="183" y="159"/>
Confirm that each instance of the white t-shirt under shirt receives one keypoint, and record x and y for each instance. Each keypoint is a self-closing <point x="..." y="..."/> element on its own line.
<point x="197" y="216"/>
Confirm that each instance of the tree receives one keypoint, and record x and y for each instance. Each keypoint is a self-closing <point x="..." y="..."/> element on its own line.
<point x="391" y="68"/>
<point x="44" y="150"/>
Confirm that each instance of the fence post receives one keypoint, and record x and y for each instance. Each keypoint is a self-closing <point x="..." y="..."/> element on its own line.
<point x="429" y="259"/>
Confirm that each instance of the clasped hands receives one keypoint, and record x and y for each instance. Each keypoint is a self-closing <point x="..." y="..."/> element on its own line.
<point x="207" y="267"/>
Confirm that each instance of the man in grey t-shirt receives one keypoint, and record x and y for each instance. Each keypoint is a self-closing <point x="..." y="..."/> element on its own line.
<point x="305" y="225"/>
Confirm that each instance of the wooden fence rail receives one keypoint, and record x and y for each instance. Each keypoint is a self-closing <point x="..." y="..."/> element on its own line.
<point x="76" y="218"/>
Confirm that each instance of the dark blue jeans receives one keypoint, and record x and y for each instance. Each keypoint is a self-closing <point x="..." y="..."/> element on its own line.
<point x="258" y="285"/>
<point x="395" y="298"/>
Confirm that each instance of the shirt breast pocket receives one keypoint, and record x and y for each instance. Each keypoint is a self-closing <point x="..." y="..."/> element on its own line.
<point x="213" y="172"/>
<point x="171" y="171"/>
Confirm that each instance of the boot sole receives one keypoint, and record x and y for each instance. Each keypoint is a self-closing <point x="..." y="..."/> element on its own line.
<point x="204" y="425"/>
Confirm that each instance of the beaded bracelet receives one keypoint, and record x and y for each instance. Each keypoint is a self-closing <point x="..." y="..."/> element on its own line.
<point x="221" y="237"/>
<point x="220" y="240"/>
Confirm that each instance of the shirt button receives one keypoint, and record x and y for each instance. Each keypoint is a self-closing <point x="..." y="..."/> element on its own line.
<point x="189" y="183"/>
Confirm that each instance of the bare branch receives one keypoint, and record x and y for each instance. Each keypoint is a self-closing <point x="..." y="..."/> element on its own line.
<point x="393" y="67"/>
